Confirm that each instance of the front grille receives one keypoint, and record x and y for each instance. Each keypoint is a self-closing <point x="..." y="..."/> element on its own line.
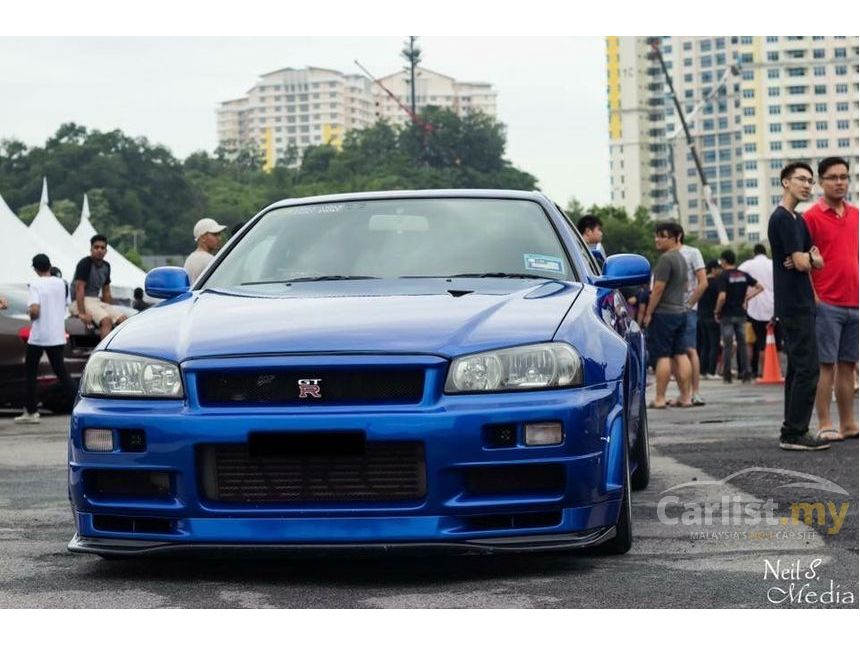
<point x="385" y="472"/>
<point x="311" y="386"/>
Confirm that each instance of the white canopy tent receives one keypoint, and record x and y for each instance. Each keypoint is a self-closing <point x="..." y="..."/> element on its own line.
<point x="52" y="239"/>
<point x="19" y="247"/>
<point x="123" y="273"/>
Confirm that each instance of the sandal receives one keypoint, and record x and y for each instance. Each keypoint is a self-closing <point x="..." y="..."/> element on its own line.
<point x="830" y="434"/>
<point x="674" y="403"/>
<point x="653" y="406"/>
<point x="852" y="435"/>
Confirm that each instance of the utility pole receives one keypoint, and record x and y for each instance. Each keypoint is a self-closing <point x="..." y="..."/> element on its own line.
<point x="412" y="54"/>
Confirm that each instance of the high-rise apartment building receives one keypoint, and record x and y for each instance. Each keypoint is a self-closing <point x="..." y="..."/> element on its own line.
<point x="289" y="110"/>
<point x="793" y="98"/>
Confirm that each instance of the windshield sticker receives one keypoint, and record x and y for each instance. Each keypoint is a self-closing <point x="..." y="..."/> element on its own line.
<point x="543" y="263"/>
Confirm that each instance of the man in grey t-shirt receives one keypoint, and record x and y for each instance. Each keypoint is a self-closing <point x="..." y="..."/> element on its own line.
<point x="666" y="317"/>
<point x="207" y="234"/>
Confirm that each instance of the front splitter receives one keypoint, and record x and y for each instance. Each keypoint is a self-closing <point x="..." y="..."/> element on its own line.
<point x="128" y="548"/>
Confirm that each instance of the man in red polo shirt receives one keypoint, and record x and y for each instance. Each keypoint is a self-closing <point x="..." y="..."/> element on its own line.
<point x="833" y="225"/>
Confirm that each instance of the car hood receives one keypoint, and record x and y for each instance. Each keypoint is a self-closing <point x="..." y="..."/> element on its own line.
<point x="429" y="316"/>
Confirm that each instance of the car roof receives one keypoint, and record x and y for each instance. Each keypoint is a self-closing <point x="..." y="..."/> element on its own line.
<point x="472" y="193"/>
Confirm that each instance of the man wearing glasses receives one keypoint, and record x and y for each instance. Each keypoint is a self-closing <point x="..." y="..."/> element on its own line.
<point x="93" y="300"/>
<point x="832" y="224"/>
<point x="794" y="257"/>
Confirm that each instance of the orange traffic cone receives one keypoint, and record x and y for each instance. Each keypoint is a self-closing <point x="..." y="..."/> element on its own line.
<point x="772" y="374"/>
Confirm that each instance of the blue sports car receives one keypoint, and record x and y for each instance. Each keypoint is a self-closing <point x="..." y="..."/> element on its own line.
<point x="447" y="369"/>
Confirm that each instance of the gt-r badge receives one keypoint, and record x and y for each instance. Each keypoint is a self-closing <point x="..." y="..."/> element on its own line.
<point x="309" y="387"/>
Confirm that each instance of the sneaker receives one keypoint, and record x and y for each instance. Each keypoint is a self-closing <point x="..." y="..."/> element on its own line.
<point x="698" y="401"/>
<point x="727" y="379"/>
<point x="28" y="418"/>
<point x="804" y="442"/>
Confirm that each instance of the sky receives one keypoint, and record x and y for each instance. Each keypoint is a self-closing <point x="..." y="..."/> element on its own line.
<point x="551" y="90"/>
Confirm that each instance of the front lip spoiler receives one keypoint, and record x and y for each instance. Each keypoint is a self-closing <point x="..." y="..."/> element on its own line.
<point x="122" y="548"/>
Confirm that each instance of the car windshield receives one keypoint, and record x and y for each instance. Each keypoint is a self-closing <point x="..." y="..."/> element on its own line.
<point x="396" y="238"/>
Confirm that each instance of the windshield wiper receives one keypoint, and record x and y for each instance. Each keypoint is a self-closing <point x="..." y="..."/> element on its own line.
<point x="315" y="278"/>
<point x="532" y="276"/>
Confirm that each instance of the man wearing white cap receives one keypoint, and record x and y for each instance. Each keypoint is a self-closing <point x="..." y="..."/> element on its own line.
<point x="207" y="233"/>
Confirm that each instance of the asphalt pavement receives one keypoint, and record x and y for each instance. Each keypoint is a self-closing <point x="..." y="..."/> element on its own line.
<point x="713" y="529"/>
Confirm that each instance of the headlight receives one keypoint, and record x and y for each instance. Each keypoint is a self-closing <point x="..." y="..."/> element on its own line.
<point x="548" y="365"/>
<point x="124" y="375"/>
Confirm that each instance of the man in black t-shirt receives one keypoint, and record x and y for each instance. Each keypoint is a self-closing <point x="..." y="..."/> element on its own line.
<point x="794" y="257"/>
<point x="708" y="327"/>
<point x="730" y="311"/>
<point x="93" y="300"/>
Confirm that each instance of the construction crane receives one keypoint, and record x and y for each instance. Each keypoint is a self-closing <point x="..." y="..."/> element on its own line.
<point x="713" y="209"/>
<point x="417" y="120"/>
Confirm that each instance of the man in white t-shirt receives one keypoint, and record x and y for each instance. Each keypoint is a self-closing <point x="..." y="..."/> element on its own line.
<point x="207" y="234"/>
<point x="760" y="308"/>
<point x="697" y="283"/>
<point x="46" y="305"/>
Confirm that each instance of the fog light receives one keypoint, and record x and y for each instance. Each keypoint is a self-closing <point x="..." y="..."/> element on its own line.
<point x="98" y="440"/>
<point x="543" y="434"/>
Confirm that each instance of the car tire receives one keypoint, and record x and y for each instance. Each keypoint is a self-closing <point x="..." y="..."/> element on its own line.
<point x="642" y="451"/>
<point x="623" y="539"/>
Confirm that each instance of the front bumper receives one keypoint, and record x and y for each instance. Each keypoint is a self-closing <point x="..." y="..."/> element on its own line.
<point x="580" y="514"/>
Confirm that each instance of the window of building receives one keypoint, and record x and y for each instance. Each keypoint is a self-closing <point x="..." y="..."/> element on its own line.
<point x="821" y="107"/>
<point x="798" y="125"/>
<point x="844" y="143"/>
<point x="772" y="39"/>
<point x="746" y="58"/>
<point x="842" y="124"/>
<point x="842" y="88"/>
<point x="800" y="144"/>
<point x="706" y="61"/>
<point x="821" y="143"/>
<point x="688" y="45"/>
<point x="705" y="45"/>
<point x="821" y="125"/>
<point x="709" y="156"/>
<point x="797" y="89"/>
<point x="720" y="43"/>
<point x="688" y="94"/>
<point x="749" y="93"/>
<point x="841" y="70"/>
<point x="751" y="183"/>
<point x="775" y="164"/>
<point x="839" y="52"/>
<point x="688" y="78"/>
<point x="749" y="147"/>
<point x="747" y="75"/>
<point x="798" y="107"/>
<point x="775" y="146"/>
<point x="774" y="109"/>
<point x="842" y="107"/>
<point x="749" y="129"/>
<point x="707" y="77"/>
<point x="750" y="165"/>
<point x="773" y="91"/>
<point x="693" y="219"/>
<point x="820" y="89"/>
<point x="707" y="124"/>
<point x="773" y="56"/>
<point x="773" y="73"/>
<point x="796" y="71"/>
<point x="708" y="141"/>
<point x="749" y="111"/>
<point x="775" y="127"/>
<point x="746" y="40"/>
<point x="688" y="62"/>
<point x="752" y="218"/>
<point x="819" y="70"/>
<point x="818" y="53"/>
<point x="721" y="59"/>
<point x="691" y="188"/>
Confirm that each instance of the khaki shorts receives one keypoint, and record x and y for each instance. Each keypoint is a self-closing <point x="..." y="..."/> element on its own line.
<point x="98" y="310"/>
<point x="749" y="332"/>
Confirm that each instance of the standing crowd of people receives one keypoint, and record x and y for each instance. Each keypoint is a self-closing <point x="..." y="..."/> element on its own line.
<point x="805" y="296"/>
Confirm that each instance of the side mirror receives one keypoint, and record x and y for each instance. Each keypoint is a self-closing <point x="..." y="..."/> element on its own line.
<point x="624" y="270"/>
<point x="166" y="282"/>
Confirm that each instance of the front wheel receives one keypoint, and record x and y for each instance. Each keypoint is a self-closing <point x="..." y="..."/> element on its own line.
<point x="642" y="451"/>
<point x="623" y="539"/>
